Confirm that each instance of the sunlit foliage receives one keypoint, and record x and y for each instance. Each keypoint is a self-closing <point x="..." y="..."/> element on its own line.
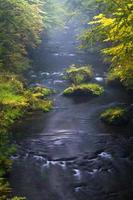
<point x="113" y="27"/>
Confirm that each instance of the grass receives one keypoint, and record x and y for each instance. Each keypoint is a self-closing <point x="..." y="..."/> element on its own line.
<point x="84" y="89"/>
<point x="115" y="116"/>
<point x="79" y="75"/>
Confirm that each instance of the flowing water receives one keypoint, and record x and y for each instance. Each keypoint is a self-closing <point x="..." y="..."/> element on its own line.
<point x="68" y="153"/>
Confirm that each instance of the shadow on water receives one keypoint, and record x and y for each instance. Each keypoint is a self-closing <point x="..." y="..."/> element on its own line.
<point x="68" y="154"/>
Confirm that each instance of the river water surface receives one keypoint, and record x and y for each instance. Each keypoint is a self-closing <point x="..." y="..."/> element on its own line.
<point x="68" y="154"/>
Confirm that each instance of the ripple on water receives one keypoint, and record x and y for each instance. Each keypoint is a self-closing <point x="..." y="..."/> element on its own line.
<point x="39" y="158"/>
<point x="58" y="142"/>
<point x="57" y="74"/>
<point x="43" y="74"/>
<point x="77" y="189"/>
<point x="63" y="164"/>
<point x="58" y="82"/>
<point x="77" y="174"/>
<point x="15" y="157"/>
<point x="105" y="155"/>
<point x="93" y="172"/>
<point x="64" y="54"/>
<point x="56" y="54"/>
<point x="49" y="163"/>
<point x="46" y="164"/>
<point x="99" y="79"/>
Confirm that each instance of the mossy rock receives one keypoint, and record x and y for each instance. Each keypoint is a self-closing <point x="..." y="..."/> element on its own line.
<point x="116" y="116"/>
<point x="84" y="89"/>
<point x="38" y="91"/>
<point x="79" y="75"/>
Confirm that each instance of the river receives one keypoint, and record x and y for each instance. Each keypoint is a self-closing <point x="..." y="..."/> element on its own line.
<point x="68" y="153"/>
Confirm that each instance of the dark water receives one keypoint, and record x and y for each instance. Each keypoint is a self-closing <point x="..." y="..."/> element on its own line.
<point x="68" y="154"/>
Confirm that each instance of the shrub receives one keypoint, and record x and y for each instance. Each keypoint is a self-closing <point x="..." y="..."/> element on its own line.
<point x="123" y="75"/>
<point x="4" y="189"/>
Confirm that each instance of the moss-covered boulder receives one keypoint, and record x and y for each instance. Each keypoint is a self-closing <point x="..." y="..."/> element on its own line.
<point x="79" y="75"/>
<point x="84" y="89"/>
<point x="116" y="116"/>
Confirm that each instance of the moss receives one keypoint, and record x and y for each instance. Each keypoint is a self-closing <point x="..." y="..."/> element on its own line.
<point x="115" y="116"/>
<point x="41" y="91"/>
<point x="84" y="89"/>
<point x="79" y="75"/>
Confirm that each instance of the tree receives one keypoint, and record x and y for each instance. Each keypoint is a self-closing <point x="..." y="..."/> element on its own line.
<point x="54" y="13"/>
<point x="20" y="25"/>
<point x="113" y="27"/>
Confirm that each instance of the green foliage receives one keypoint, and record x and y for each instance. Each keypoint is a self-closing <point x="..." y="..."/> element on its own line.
<point x="11" y="90"/>
<point x="113" y="28"/>
<point x="15" y="100"/>
<point x="83" y="7"/>
<point x="41" y="91"/>
<point x="18" y="198"/>
<point x="55" y="13"/>
<point x="36" y="101"/>
<point x="6" y="150"/>
<point x="115" y="116"/>
<point x="122" y="74"/>
<point x="20" y="25"/>
<point x="43" y="105"/>
<point x="4" y="189"/>
<point x="79" y="75"/>
<point x="84" y="89"/>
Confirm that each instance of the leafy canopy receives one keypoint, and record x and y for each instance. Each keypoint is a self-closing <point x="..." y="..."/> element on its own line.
<point x="113" y="28"/>
<point x="20" y="25"/>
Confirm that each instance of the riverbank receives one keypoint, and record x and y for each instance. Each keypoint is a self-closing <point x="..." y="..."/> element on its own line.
<point x="16" y="101"/>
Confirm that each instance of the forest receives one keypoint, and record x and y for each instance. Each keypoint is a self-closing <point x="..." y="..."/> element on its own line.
<point x="70" y="63"/>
